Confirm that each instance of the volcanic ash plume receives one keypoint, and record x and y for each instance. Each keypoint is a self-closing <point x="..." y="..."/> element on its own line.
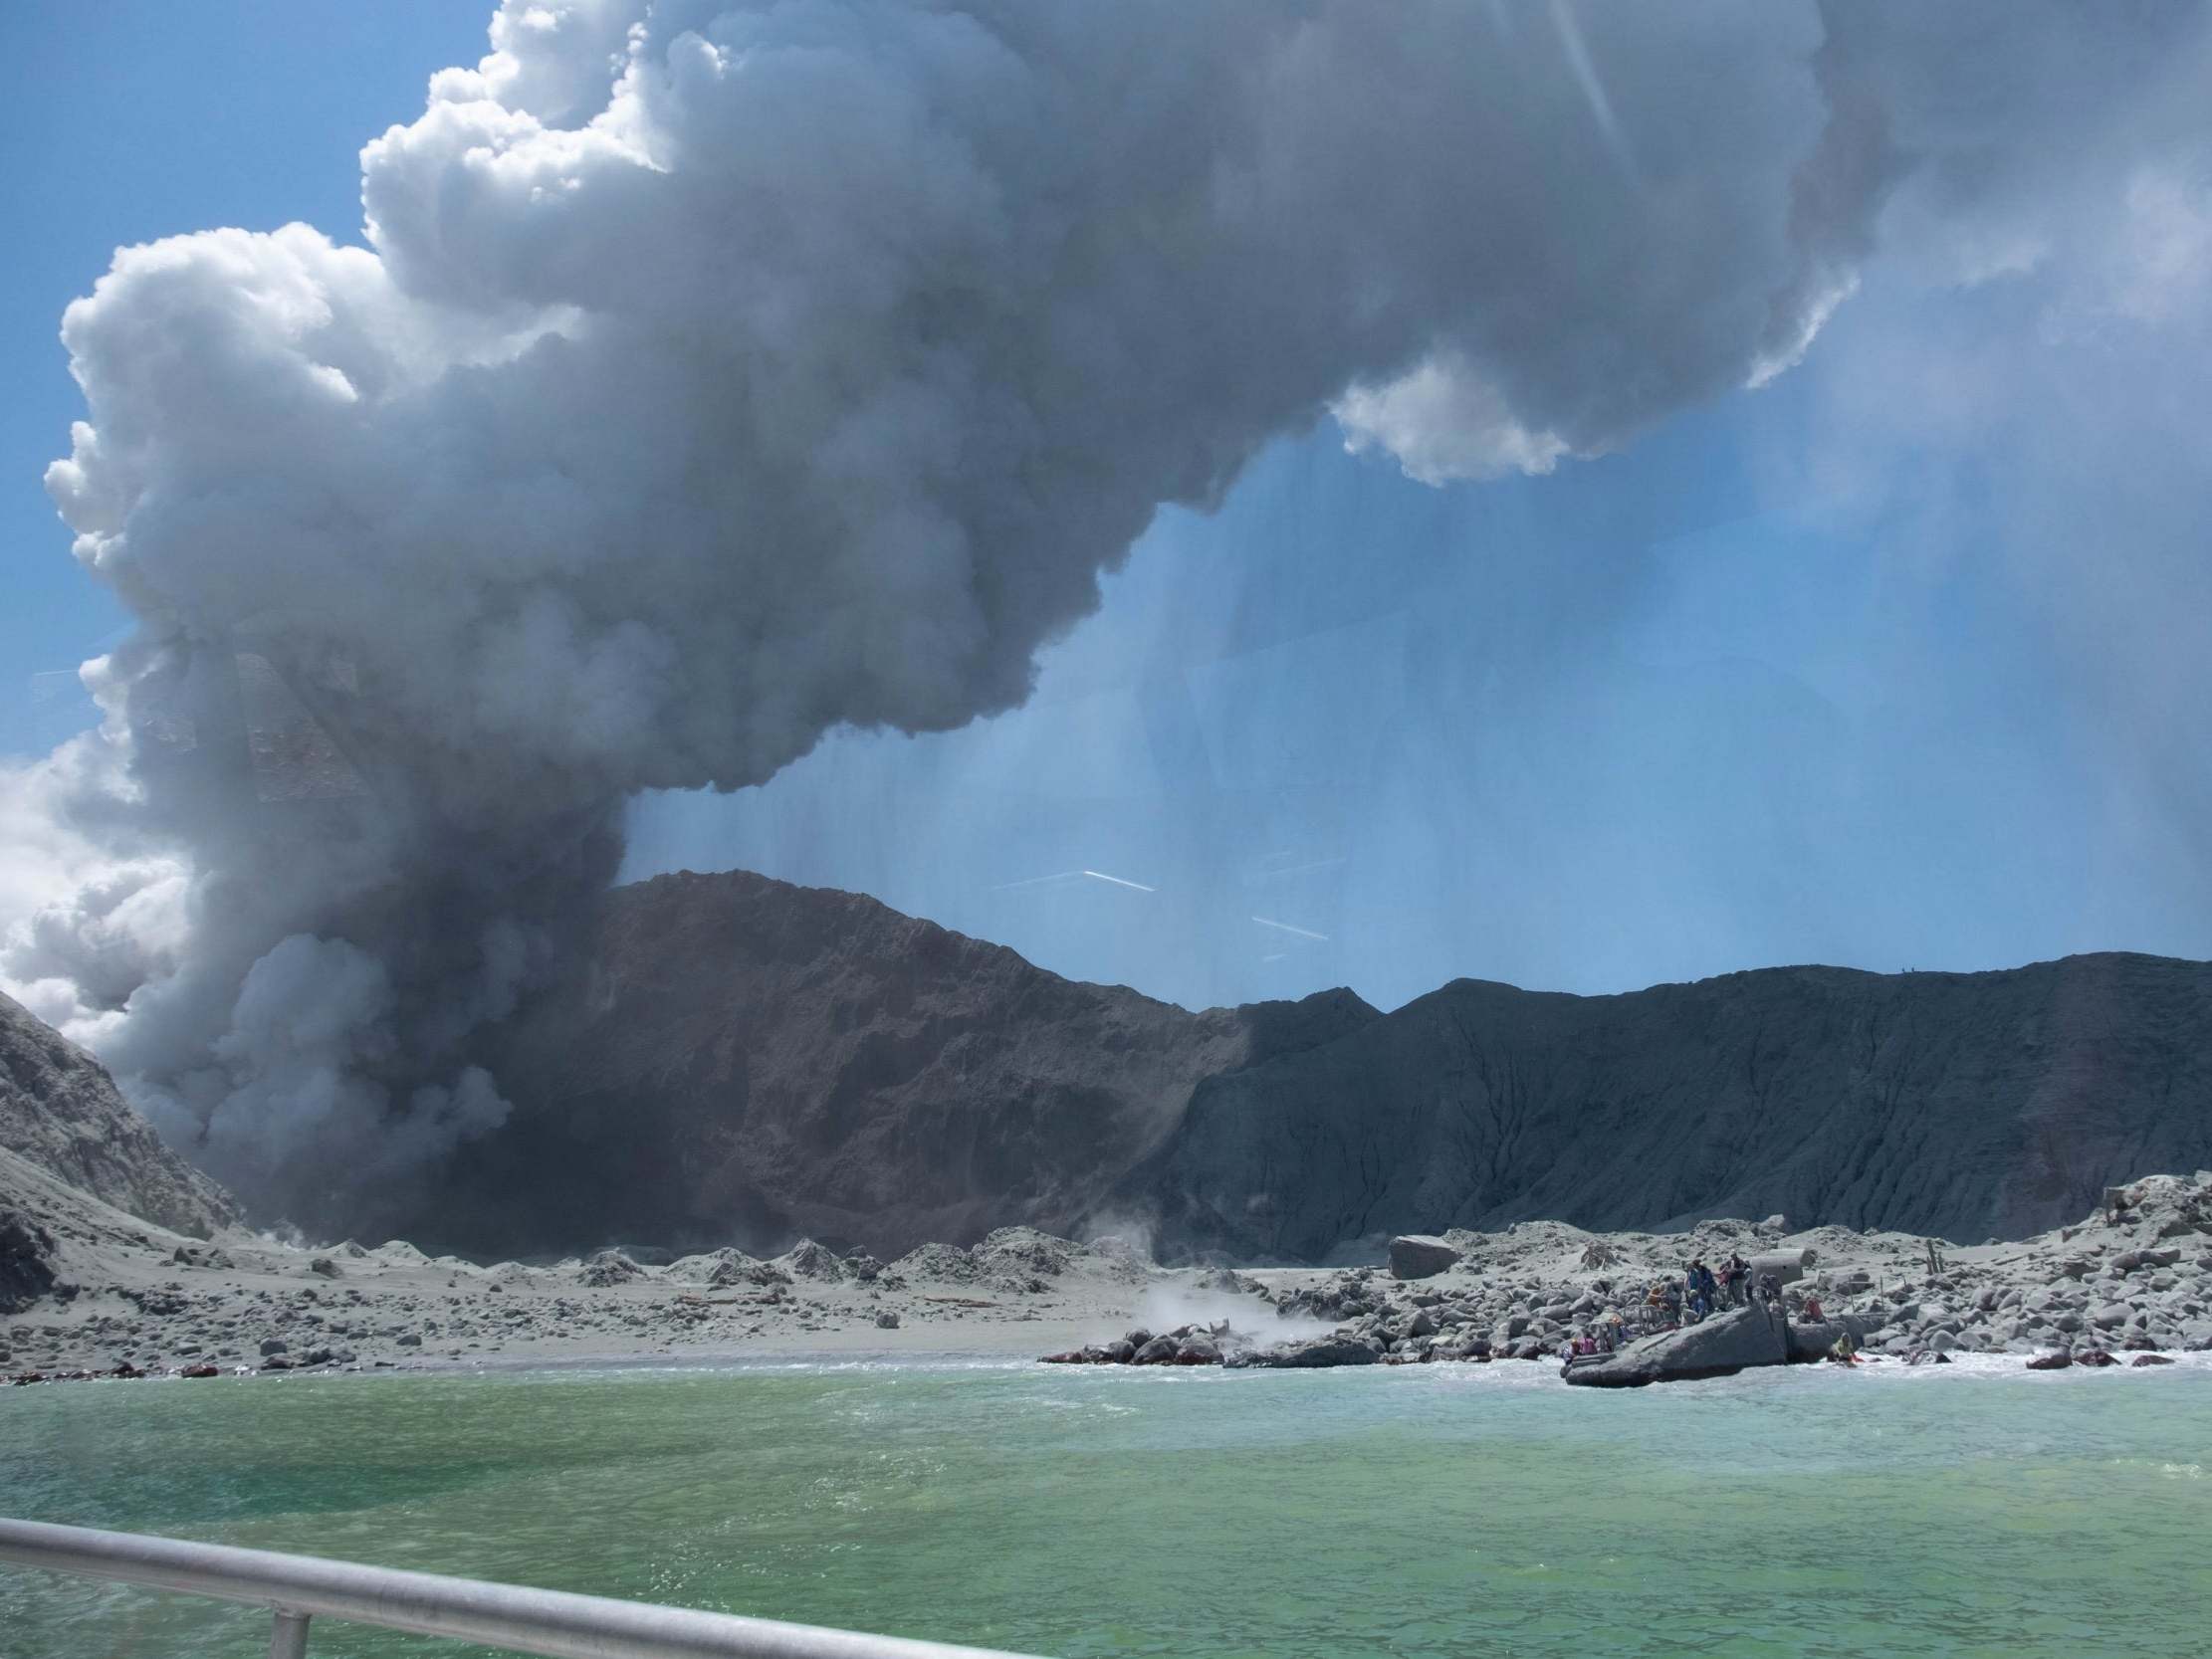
<point x="715" y="375"/>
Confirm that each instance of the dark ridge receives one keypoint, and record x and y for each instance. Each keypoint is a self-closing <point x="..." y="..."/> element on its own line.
<point x="745" y="1060"/>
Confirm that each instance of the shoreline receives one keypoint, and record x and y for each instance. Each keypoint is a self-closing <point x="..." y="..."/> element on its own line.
<point x="2136" y="1278"/>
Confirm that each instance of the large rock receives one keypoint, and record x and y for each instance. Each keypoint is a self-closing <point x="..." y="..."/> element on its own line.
<point x="1787" y="1266"/>
<point x="1315" y="1354"/>
<point x="1421" y="1256"/>
<point x="61" y="1111"/>
<point x="1725" y="1344"/>
<point x="1814" y="1338"/>
<point x="609" y="1266"/>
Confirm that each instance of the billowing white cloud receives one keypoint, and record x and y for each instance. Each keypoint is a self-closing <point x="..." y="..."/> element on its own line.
<point x="1444" y="422"/>
<point x="717" y="374"/>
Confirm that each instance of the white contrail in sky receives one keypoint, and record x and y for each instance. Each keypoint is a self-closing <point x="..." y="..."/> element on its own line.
<point x="1284" y="926"/>
<point x="1101" y="876"/>
<point x="1074" y="875"/>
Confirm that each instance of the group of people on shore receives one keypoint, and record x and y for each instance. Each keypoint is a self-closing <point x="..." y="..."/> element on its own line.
<point x="1701" y="1292"/>
<point x="1695" y="1296"/>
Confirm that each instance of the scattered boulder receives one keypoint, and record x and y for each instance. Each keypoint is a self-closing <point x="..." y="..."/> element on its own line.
<point x="1187" y="1345"/>
<point x="274" y="1345"/>
<point x="887" y="1321"/>
<point x="2058" y="1360"/>
<point x="808" y="1260"/>
<point x="609" y="1266"/>
<point x="324" y="1267"/>
<point x="942" y="1262"/>
<point x="1337" y="1301"/>
<point x="1024" y="1252"/>
<point x="1421" y="1256"/>
<point x="2142" y="1360"/>
<point x="737" y="1269"/>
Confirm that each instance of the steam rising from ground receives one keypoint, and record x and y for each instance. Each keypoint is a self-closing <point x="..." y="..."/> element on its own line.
<point x="715" y="375"/>
<point x="1171" y="1307"/>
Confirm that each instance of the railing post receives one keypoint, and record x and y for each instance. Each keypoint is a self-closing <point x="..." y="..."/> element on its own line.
<point x="288" y="1635"/>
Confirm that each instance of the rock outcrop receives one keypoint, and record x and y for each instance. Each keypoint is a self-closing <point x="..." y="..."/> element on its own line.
<point x="1719" y="1347"/>
<point x="1811" y="1339"/>
<point x="1419" y="1256"/>
<point x="1315" y="1354"/>
<point x="60" y="1111"/>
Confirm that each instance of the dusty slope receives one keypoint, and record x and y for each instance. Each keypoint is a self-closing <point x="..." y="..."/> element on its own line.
<point x="1961" y="1105"/>
<point x="747" y="1061"/>
<point x="60" y="1111"/>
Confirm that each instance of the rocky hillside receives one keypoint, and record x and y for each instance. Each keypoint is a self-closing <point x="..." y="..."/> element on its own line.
<point x="747" y="1061"/>
<point x="60" y="1113"/>
<point x="1960" y="1105"/>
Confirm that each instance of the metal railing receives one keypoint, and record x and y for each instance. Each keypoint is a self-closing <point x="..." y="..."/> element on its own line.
<point x="555" y="1623"/>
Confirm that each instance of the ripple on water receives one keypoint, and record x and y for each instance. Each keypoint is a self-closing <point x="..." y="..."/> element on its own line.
<point x="1972" y="1509"/>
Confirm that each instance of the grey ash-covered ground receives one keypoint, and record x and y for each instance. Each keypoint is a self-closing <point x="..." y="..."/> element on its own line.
<point x="2136" y="1276"/>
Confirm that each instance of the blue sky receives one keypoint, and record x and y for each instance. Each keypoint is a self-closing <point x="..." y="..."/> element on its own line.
<point x="1807" y="673"/>
<point x="127" y="121"/>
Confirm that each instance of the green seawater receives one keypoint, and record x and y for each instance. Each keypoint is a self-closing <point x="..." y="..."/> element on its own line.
<point x="1425" y="1511"/>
